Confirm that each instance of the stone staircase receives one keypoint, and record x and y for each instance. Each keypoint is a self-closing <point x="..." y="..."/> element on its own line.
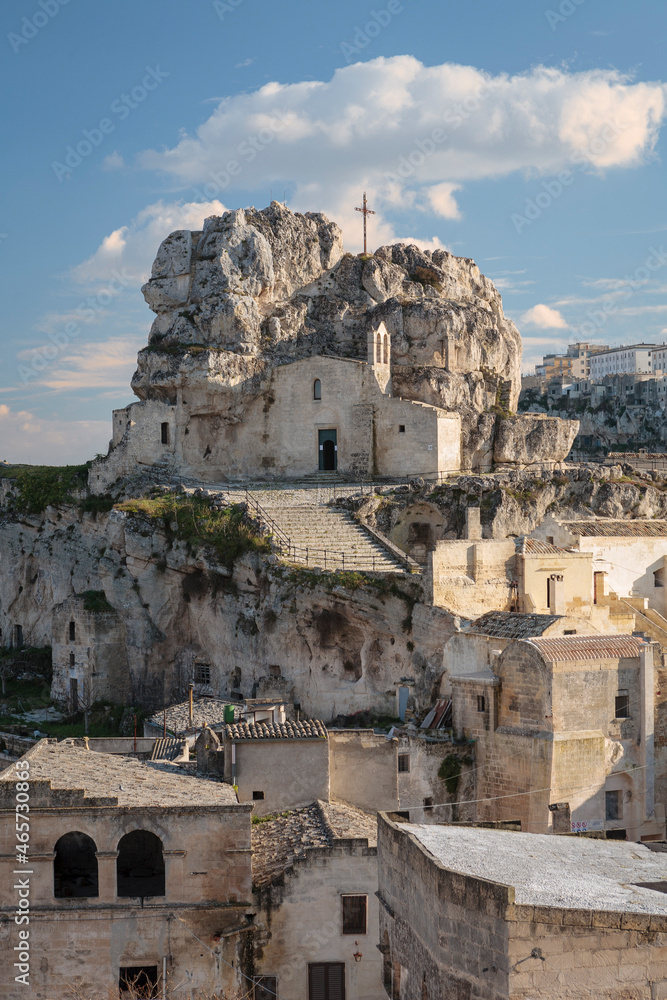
<point x="331" y="539"/>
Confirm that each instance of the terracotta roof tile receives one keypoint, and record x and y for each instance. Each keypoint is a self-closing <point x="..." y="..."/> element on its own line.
<point x="511" y="624"/>
<point x="588" y="647"/>
<point x="536" y="547"/>
<point x="617" y="529"/>
<point x="308" y="730"/>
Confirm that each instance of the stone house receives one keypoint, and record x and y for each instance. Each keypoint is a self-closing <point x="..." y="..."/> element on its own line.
<point x="89" y="652"/>
<point x="318" y="414"/>
<point x="134" y="868"/>
<point x="315" y="885"/>
<point x="212" y="713"/>
<point x="564" y="735"/>
<point x="489" y="915"/>
<point x="628" y="557"/>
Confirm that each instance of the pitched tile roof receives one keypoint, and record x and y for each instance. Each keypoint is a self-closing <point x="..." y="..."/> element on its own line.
<point x="205" y="712"/>
<point x="600" y="527"/>
<point x="511" y="625"/>
<point x="279" y="841"/>
<point x="536" y="547"/>
<point x="588" y="647"/>
<point x="308" y="730"/>
<point x="110" y="779"/>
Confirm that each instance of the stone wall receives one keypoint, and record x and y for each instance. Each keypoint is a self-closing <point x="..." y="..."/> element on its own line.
<point x="99" y="650"/>
<point x="303" y="921"/>
<point x="364" y="768"/>
<point x="288" y="773"/>
<point x="469" y="578"/>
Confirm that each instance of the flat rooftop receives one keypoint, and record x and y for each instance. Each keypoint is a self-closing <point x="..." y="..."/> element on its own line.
<point x="548" y="870"/>
<point x="123" y="781"/>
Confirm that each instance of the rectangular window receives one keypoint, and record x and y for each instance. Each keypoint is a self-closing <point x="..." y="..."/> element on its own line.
<point x="202" y="673"/>
<point x="164" y="433"/>
<point x="326" y="981"/>
<point x="401" y="428"/>
<point x="428" y="804"/>
<point x="622" y="705"/>
<point x="403" y="763"/>
<point x="72" y="631"/>
<point x="138" y="981"/>
<point x="266" y="988"/>
<point x="481" y="703"/>
<point x="258" y="796"/>
<point x="613" y="805"/>
<point x="355" y="914"/>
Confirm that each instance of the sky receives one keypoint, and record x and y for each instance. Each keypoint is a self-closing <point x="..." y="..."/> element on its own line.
<point x="527" y="135"/>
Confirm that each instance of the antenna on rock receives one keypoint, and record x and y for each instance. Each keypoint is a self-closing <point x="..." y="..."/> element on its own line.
<point x="366" y="211"/>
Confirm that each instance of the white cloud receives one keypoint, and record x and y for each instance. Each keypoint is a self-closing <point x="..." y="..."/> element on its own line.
<point x="95" y="365"/>
<point x="544" y="318"/>
<point x="130" y="250"/>
<point x="246" y="62"/>
<point x="372" y="126"/>
<point x="114" y="161"/>
<point x="49" y="441"/>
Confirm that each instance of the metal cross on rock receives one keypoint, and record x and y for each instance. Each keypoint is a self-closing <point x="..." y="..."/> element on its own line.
<point x="367" y="211"/>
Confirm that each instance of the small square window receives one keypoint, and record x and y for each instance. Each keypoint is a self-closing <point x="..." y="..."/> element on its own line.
<point x="266" y="988"/>
<point x="354" y="914"/>
<point x="622" y="705"/>
<point x="138" y="981"/>
<point x="202" y="673"/>
<point x="401" y="428"/>
<point x="258" y="796"/>
<point x="403" y="763"/>
<point x="428" y="804"/>
<point x="570" y="631"/>
<point x="481" y="703"/>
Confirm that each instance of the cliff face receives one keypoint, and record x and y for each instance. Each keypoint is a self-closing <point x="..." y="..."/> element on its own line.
<point x="264" y="629"/>
<point x="259" y="289"/>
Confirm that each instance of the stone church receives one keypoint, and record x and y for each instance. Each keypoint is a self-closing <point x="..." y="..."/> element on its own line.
<point x="275" y="355"/>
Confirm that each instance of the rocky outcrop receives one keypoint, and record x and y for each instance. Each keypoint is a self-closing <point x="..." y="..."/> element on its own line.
<point x="258" y="289"/>
<point x="530" y="438"/>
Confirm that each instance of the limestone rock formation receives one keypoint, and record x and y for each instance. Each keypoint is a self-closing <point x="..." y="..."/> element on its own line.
<point x="259" y="289"/>
<point x="525" y="439"/>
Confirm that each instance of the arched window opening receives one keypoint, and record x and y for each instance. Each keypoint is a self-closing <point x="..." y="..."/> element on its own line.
<point x="75" y="867"/>
<point x="72" y="631"/>
<point x="140" y="865"/>
<point x="317" y="389"/>
<point x="385" y="350"/>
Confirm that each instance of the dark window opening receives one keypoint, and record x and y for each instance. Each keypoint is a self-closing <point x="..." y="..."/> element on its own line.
<point x="138" y="981"/>
<point x="164" y="433"/>
<point x="481" y="703"/>
<point x="258" y="796"/>
<point x="355" y="914"/>
<point x="659" y="578"/>
<point x="613" y="805"/>
<point x="317" y="389"/>
<point x="75" y="867"/>
<point x="622" y="705"/>
<point x="570" y="631"/>
<point x="402" y="814"/>
<point x="17" y="639"/>
<point x="403" y="763"/>
<point x="428" y="804"/>
<point x="265" y="988"/>
<point x="326" y="981"/>
<point x="420" y="533"/>
<point x="72" y="631"/>
<point x="72" y="660"/>
<point x="401" y="428"/>
<point x="202" y="673"/>
<point x="140" y="865"/>
<point x="616" y="835"/>
<point x="550" y="539"/>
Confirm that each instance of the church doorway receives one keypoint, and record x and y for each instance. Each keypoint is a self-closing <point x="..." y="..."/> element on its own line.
<point x="328" y="450"/>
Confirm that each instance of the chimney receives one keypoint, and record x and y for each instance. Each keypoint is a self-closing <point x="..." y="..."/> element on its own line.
<point x="473" y="524"/>
<point x="556" y="594"/>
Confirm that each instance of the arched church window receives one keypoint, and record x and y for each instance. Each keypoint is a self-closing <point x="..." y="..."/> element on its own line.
<point x="75" y="867"/>
<point x="385" y="350"/>
<point x="317" y="389"/>
<point x="140" y="865"/>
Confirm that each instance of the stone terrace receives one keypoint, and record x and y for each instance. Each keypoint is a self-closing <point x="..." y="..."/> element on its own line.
<point x="121" y="781"/>
<point x="563" y="872"/>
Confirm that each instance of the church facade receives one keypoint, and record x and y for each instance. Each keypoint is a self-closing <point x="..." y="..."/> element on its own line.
<point x="318" y="414"/>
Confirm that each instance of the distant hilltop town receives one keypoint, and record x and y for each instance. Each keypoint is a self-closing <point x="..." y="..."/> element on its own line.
<point x="343" y="675"/>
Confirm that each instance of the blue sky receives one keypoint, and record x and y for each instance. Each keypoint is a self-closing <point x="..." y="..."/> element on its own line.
<point x="526" y="135"/>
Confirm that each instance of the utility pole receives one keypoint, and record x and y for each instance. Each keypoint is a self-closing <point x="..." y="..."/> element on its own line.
<point x="366" y="211"/>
